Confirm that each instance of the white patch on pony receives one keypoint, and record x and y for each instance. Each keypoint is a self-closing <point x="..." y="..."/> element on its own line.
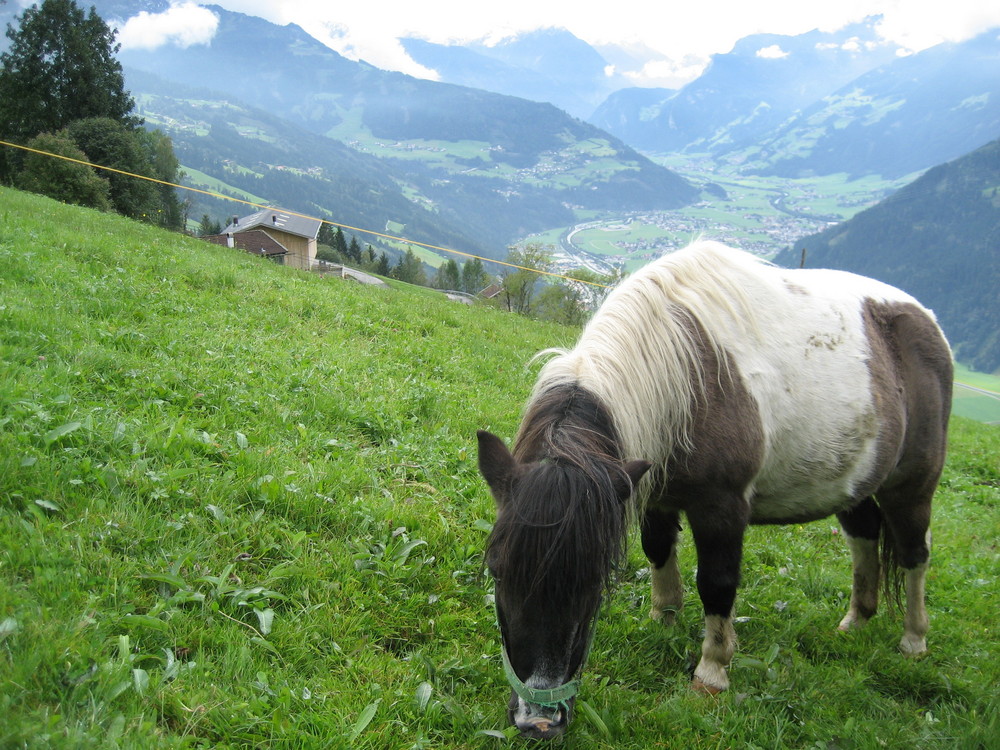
<point x="667" y="594"/>
<point x="716" y="652"/>
<point x="527" y="714"/>
<point x="797" y="339"/>
<point x="864" y="589"/>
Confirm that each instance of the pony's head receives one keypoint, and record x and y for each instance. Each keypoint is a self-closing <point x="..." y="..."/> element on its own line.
<point x="560" y="529"/>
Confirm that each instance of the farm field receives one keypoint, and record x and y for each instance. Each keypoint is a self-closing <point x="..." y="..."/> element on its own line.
<point x="239" y="507"/>
<point x="759" y="214"/>
<point x="977" y="395"/>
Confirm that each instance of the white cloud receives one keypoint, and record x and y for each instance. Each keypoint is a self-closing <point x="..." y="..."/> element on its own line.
<point x="685" y="34"/>
<point x="774" y="52"/>
<point x="183" y="24"/>
<point x="665" y="73"/>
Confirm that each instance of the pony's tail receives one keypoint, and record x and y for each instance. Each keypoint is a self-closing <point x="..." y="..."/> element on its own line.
<point x="892" y="574"/>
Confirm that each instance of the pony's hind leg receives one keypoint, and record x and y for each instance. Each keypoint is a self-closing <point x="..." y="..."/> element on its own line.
<point x="659" y="542"/>
<point x="861" y="527"/>
<point x="909" y="527"/>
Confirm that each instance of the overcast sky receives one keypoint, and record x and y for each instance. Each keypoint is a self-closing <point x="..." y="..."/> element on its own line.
<point x="682" y="33"/>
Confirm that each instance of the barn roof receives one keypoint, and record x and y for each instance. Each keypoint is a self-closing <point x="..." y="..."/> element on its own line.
<point x="276" y="218"/>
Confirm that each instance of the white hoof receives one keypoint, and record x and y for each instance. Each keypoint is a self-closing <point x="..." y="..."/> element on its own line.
<point x="710" y="678"/>
<point x="913" y="645"/>
<point x="852" y="621"/>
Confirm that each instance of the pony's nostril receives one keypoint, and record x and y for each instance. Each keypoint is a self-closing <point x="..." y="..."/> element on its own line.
<point x="542" y="727"/>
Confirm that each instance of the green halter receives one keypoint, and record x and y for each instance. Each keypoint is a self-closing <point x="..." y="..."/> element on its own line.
<point x="550" y="698"/>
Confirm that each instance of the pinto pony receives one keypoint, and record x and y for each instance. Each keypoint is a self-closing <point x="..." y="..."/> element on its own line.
<point x="715" y="385"/>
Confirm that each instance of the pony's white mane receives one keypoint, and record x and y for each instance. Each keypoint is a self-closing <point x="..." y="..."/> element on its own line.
<point x="639" y="352"/>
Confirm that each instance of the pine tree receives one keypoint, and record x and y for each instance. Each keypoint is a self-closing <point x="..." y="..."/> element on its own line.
<point x="340" y="244"/>
<point x="354" y="250"/>
<point x="326" y="235"/>
<point x="60" y="67"/>
<point x="448" y="276"/>
<point x="410" y="269"/>
<point x="208" y="226"/>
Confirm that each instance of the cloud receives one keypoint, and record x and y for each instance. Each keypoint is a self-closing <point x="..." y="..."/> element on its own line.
<point x="183" y="24"/>
<point x="774" y="52"/>
<point x="665" y="73"/>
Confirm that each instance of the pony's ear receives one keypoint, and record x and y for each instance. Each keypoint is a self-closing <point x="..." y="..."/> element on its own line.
<point x="496" y="463"/>
<point x="634" y="470"/>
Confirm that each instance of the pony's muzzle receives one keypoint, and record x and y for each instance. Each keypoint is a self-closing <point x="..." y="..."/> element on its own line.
<point x="538" y="722"/>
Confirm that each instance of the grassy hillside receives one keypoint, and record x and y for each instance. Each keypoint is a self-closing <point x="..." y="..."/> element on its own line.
<point x="239" y="508"/>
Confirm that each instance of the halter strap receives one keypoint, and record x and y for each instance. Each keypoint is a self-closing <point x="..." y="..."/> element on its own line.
<point x="551" y="698"/>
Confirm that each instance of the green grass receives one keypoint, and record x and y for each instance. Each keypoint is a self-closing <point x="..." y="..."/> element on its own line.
<point x="239" y="508"/>
<point x="981" y="399"/>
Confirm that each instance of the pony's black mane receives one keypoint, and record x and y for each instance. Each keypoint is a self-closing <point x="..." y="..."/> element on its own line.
<point x="563" y="529"/>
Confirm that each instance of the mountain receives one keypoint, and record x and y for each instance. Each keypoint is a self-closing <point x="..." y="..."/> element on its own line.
<point x="498" y="165"/>
<point x="628" y="112"/>
<point x="746" y="93"/>
<point x="547" y="65"/>
<point x="938" y="239"/>
<point x="255" y="155"/>
<point x="897" y="119"/>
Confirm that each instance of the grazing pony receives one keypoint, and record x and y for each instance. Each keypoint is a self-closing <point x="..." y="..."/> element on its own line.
<point x="713" y="384"/>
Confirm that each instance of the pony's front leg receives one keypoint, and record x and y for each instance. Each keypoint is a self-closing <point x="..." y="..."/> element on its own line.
<point x="861" y="527"/>
<point x="659" y="542"/>
<point x="718" y="536"/>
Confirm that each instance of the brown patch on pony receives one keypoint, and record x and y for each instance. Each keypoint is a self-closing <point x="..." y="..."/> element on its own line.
<point x="726" y="437"/>
<point x="912" y="373"/>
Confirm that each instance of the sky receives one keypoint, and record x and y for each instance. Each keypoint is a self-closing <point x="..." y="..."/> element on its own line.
<point x="676" y="37"/>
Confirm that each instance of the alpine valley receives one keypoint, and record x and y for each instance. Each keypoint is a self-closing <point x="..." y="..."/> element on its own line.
<point x="536" y="139"/>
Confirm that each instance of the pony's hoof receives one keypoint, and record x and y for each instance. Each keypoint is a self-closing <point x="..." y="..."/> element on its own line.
<point x="913" y="645"/>
<point x="665" y="616"/>
<point x="851" y="621"/>
<point x="700" y="687"/>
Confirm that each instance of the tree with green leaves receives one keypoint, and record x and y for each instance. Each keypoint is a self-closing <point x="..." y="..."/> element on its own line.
<point x="67" y="181"/>
<point x="340" y="243"/>
<point x="382" y="268"/>
<point x="60" y="67"/>
<point x="354" y="250"/>
<point x="165" y="168"/>
<point x="521" y="277"/>
<point x="208" y="226"/>
<point x="448" y="276"/>
<point x="109" y="142"/>
<point x="410" y="269"/>
<point x="326" y="235"/>
<point x="474" y="276"/>
<point x="60" y="75"/>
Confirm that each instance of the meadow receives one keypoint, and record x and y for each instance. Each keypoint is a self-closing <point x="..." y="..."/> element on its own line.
<point x="239" y="508"/>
